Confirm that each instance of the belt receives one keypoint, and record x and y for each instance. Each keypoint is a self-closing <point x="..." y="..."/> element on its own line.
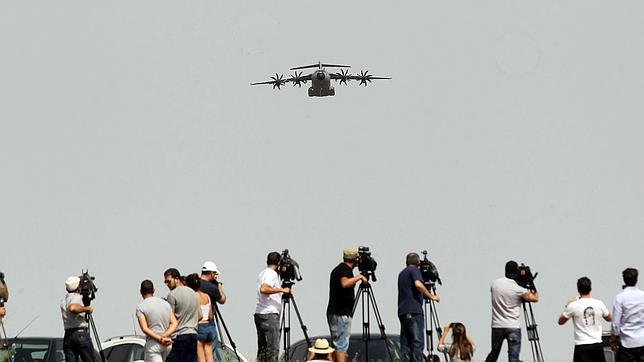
<point x="79" y="329"/>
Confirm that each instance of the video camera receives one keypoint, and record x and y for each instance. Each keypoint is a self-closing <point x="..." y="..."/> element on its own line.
<point x="288" y="269"/>
<point x="366" y="264"/>
<point x="429" y="271"/>
<point x="87" y="288"/>
<point x="525" y="278"/>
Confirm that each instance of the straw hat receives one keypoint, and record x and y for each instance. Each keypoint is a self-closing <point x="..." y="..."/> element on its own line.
<point x="321" y="346"/>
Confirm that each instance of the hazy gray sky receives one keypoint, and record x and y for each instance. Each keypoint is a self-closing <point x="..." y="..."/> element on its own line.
<point x="131" y="141"/>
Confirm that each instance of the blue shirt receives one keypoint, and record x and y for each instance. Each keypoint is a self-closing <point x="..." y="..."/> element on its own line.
<point x="628" y="317"/>
<point x="410" y="300"/>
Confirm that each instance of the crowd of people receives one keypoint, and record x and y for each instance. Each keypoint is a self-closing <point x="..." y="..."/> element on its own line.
<point x="181" y="326"/>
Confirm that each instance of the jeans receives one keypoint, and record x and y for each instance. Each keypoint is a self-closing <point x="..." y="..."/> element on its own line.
<point x="589" y="353"/>
<point x="184" y="348"/>
<point x="207" y="332"/>
<point x="513" y="335"/>
<point x="340" y="328"/>
<point x="635" y="354"/>
<point x="268" y="337"/>
<point x="412" y="329"/>
<point x="77" y="345"/>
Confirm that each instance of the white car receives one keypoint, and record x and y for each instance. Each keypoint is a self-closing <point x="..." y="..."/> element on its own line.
<point x="130" y="349"/>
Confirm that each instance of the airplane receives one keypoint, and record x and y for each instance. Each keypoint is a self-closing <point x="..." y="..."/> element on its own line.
<point x="320" y="79"/>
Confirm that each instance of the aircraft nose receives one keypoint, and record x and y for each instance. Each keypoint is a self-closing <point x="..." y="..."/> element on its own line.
<point x="320" y="76"/>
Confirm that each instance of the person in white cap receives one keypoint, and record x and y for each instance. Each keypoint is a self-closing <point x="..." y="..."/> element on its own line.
<point x="215" y="290"/>
<point x="77" y="343"/>
<point x="321" y="351"/>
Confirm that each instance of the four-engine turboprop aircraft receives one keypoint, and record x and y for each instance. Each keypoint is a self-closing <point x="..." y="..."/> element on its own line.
<point x="320" y="79"/>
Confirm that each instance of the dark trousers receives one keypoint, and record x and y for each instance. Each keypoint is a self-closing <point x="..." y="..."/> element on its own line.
<point x="412" y="329"/>
<point x="77" y="345"/>
<point x="589" y="353"/>
<point x="268" y="337"/>
<point x="635" y="354"/>
<point x="184" y="348"/>
<point x="513" y="335"/>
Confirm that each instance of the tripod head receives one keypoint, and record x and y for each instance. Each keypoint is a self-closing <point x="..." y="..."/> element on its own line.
<point x="431" y="286"/>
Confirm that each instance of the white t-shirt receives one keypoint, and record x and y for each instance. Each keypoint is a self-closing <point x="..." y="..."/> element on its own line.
<point x="506" y="303"/>
<point x="72" y="320"/>
<point x="586" y="314"/>
<point x="268" y="303"/>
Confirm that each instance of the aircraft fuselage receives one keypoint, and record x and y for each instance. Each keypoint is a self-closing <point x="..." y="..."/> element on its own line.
<point x="321" y="84"/>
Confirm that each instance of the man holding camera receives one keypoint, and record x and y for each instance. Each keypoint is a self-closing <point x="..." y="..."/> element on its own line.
<point x="215" y="290"/>
<point x="411" y="291"/>
<point x="628" y="320"/>
<point x="507" y="297"/>
<point x="585" y="313"/>
<point x="267" y="310"/>
<point x="77" y="343"/>
<point x="339" y="311"/>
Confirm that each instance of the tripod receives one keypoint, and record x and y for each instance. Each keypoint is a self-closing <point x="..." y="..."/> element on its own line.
<point x="5" y="353"/>
<point x="90" y="320"/>
<point x="533" y="334"/>
<point x="432" y="323"/>
<point x="285" y="324"/>
<point x="367" y="300"/>
<point x="220" y="318"/>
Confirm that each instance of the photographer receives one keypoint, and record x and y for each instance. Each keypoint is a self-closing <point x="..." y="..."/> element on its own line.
<point x="341" y="298"/>
<point x="411" y="290"/>
<point x="507" y="296"/>
<point x="215" y="290"/>
<point x="77" y="343"/>
<point x="267" y="310"/>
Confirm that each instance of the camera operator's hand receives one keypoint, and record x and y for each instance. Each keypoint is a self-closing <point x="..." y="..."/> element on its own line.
<point x="3" y="312"/>
<point x="446" y="328"/>
<point x="363" y="279"/>
<point x="286" y="290"/>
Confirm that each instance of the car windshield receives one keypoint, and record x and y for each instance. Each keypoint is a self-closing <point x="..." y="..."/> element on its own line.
<point x="29" y="351"/>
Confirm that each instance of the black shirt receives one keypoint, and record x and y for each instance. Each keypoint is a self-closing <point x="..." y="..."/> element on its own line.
<point x="212" y="289"/>
<point x="340" y="299"/>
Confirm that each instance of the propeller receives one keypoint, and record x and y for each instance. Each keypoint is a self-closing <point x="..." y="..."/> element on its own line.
<point x="297" y="80"/>
<point x="278" y="81"/>
<point x="343" y="76"/>
<point x="364" y="77"/>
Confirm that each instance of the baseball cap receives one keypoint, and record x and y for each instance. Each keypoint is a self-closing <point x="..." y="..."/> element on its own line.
<point x="350" y="253"/>
<point x="72" y="283"/>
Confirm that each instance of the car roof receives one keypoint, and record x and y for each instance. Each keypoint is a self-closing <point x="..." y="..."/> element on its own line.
<point x="35" y="339"/>
<point x="354" y="336"/>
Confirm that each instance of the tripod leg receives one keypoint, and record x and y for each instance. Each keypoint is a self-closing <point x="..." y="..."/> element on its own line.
<point x="220" y="318"/>
<point x="299" y="318"/>
<point x="286" y="328"/>
<point x="381" y="325"/>
<point x="92" y="325"/>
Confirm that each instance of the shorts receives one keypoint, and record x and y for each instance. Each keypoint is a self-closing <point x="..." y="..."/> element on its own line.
<point x="206" y="332"/>
<point x="340" y="327"/>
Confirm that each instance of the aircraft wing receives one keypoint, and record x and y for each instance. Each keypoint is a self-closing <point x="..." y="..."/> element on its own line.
<point x="364" y="77"/>
<point x="278" y="80"/>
